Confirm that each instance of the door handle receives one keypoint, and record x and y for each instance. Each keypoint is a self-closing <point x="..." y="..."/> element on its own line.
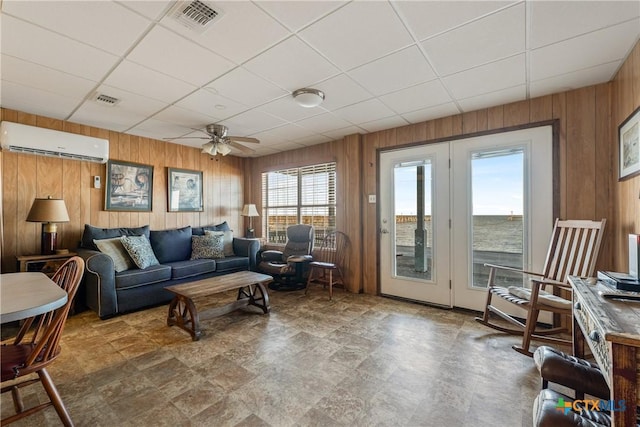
<point x="384" y="231"/>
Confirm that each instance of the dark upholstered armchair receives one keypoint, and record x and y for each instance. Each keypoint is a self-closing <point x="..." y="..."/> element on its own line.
<point x="287" y="265"/>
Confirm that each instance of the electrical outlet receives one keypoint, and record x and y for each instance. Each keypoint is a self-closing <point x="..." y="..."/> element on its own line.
<point x="372" y="198"/>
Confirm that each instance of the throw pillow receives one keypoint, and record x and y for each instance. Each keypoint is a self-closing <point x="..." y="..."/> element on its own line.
<point x="227" y="240"/>
<point x="92" y="233"/>
<point x="139" y="250"/>
<point x="113" y="247"/>
<point x="207" y="246"/>
<point x="171" y="245"/>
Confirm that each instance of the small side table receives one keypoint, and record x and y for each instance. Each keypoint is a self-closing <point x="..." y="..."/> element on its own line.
<point x="47" y="264"/>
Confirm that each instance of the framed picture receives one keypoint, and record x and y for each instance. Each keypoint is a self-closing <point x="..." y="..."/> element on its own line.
<point x="129" y="186"/>
<point x="185" y="190"/>
<point x="629" y="145"/>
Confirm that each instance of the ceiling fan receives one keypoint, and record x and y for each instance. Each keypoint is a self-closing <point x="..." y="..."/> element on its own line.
<point x="220" y="142"/>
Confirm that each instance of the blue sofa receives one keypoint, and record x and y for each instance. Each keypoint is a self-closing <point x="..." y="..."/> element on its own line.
<point x="109" y="293"/>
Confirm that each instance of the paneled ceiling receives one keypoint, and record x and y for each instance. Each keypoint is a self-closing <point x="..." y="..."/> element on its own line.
<point x="381" y="64"/>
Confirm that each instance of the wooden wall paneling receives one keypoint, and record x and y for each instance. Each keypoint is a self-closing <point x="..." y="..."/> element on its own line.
<point x="10" y="210"/>
<point x="495" y="117"/>
<point x="516" y="113"/>
<point x="604" y="167"/>
<point x="144" y="157"/>
<point x="482" y="117"/>
<point x="171" y="159"/>
<point x="351" y="213"/>
<point x="29" y="234"/>
<point x="157" y="155"/>
<point x="470" y="122"/>
<point x="134" y="156"/>
<point x="456" y="124"/>
<point x="581" y="151"/>
<point x="443" y="127"/>
<point x="69" y="233"/>
<point x="369" y="248"/>
<point x="541" y="109"/>
<point x="410" y="133"/>
<point x="124" y="153"/>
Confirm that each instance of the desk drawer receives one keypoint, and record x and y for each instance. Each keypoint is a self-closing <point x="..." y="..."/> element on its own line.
<point x="594" y="335"/>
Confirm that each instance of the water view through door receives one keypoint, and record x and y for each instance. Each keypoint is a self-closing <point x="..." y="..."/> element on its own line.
<point x="441" y="224"/>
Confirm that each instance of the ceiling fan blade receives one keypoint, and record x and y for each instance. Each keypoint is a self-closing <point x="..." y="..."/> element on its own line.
<point x="187" y="137"/>
<point x="241" y="147"/>
<point x="244" y="139"/>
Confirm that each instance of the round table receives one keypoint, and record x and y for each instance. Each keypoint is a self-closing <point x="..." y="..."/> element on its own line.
<point x="24" y="295"/>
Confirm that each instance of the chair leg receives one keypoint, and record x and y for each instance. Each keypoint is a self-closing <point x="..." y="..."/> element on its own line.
<point x="309" y="278"/>
<point x="532" y="320"/>
<point x="56" y="400"/>
<point x="330" y="284"/>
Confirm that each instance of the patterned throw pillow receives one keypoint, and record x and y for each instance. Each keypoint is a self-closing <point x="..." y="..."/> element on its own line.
<point x="113" y="247"/>
<point x="139" y="250"/>
<point x="227" y="240"/>
<point x="207" y="246"/>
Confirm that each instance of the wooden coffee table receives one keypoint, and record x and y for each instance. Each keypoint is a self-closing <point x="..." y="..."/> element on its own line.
<point x="183" y="311"/>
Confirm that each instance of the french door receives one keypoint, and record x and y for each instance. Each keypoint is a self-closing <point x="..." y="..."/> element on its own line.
<point x="448" y="208"/>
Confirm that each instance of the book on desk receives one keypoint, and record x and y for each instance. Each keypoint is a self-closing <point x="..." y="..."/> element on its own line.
<point x="620" y="281"/>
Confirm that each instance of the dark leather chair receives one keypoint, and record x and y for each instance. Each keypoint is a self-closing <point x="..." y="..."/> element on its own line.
<point x="287" y="266"/>
<point x="548" y="413"/>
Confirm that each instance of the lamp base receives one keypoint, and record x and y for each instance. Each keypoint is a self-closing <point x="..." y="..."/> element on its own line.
<point x="49" y="239"/>
<point x="250" y="233"/>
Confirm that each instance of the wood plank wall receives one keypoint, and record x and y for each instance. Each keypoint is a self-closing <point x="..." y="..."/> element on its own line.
<point x="25" y="177"/>
<point x="625" y="94"/>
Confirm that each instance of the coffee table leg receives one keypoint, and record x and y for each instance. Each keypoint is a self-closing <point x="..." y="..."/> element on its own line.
<point x="257" y="295"/>
<point x="183" y="313"/>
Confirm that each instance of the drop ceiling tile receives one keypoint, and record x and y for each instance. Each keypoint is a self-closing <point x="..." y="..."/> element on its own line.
<point x="36" y="76"/>
<point x="416" y="97"/>
<point x="185" y="118"/>
<point x="340" y="91"/>
<point x="254" y="121"/>
<point x="494" y="76"/>
<point x="357" y="33"/>
<point x="574" y="80"/>
<point x="210" y="103"/>
<point x="589" y="50"/>
<point x="428" y="18"/>
<point x="365" y="111"/>
<point x="35" y="101"/>
<point x="386" y="123"/>
<point x="255" y="30"/>
<point x="313" y="140"/>
<point x="158" y="129"/>
<point x="153" y="52"/>
<point x="34" y="44"/>
<point x="297" y="14"/>
<point x="288" y="132"/>
<point x="500" y="97"/>
<point x="430" y="113"/>
<point x="149" y="9"/>
<point x="553" y="21"/>
<point x="286" y="108"/>
<point x="323" y="123"/>
<point x="246" y="88"/>
<point x="393" y="72"/>
<point x="291" y="65"/>
<point x="496" y="36"/>
<point x="105" y="25"/>
<point x="135" y="78"/>
<point x="342" y="132"/>
<point x="285" y="146"/>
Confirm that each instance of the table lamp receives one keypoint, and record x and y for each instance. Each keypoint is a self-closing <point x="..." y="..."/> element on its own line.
<point x="49" y="212"/>
<point x="250" y="211"/>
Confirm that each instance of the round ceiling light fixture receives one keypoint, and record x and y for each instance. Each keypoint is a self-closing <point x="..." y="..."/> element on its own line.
<point x="308" y="98"/>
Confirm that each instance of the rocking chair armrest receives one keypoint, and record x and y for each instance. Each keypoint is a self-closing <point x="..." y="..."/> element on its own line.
<point x="551" y="282"/>
<point x="518" y="270"/>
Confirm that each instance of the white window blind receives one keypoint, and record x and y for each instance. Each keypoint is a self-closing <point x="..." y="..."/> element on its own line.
<point x="305" y="195"/>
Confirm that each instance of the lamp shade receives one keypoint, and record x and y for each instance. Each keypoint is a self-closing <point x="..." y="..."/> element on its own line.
<point x="250" y="210"/>
<point x="48" y="210"/>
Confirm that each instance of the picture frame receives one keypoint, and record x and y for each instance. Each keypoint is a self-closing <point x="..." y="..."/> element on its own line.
<point x="629" y="146"/>
<point x="129" y="186"/>
<point x="184" y="190"/>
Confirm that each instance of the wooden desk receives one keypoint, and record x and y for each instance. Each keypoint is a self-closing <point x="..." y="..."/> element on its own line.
<point x="611" y="328"/>
<point x="26" y="295"/>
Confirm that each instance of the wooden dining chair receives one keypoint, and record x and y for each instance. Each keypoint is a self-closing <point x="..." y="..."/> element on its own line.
<point x="326" y="267"/>
<point x="36" y="346"/>
<point x="573" y="251"/>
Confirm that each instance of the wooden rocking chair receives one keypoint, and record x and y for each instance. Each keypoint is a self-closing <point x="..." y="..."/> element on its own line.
<point x="573" y="250"/>
<point x="329" y="260"/>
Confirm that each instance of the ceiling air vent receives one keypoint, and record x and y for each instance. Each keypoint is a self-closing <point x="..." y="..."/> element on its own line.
<point x="107" y="100"/>
<point x="196" y="15"/>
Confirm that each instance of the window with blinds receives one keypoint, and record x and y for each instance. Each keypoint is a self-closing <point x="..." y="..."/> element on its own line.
<point x="305" y="195"/>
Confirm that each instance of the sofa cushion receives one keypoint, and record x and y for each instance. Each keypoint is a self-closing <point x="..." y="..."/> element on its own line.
<point x="182" y="269"/>
<point x="136" y="277"/>
<point x="232" y="263"/>
<point x="90" y="233"/>
<point x="139" y="250"/>
<point x="207" y="246"/>
<point x="171" y="245"/>
<point x="199" y="231"/>
<point x="113" y="247"/>
<point x="227" y="240"/>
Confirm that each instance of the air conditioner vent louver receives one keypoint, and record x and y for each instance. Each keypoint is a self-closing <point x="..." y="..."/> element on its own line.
<point x="62" y="155"/>
<point x="196" y="14"/>
<point x="103" y="99"/>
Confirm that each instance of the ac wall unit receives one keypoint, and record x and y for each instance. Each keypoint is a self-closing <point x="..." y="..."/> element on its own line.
<point x="20" y="138"/>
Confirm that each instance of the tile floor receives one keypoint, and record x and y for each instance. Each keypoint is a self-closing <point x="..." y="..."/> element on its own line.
<point x="358" y="360"/>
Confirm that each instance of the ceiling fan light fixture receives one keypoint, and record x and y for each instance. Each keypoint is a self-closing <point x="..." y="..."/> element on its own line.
<point x="223" y="148"/>
<point x="308" y="98"/>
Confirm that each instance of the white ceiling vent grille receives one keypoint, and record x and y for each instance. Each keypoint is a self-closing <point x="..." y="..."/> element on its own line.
<point x="196" y="15"/>
<point x="106" y="100"/>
